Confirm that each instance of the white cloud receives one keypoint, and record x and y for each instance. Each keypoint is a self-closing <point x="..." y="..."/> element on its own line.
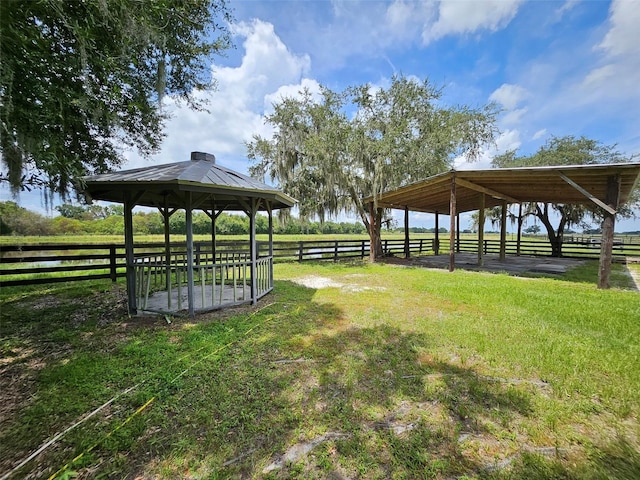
<point x="244" y="92"/>
<point x="597" y="77"/>
<point x="292" y="91"/>
<point x="408" y="19"/>
<point x="515" y="116"/>
<point x="509" y="96"/>
<point x="566" y="7"/>
<point x="618" y="73"/>
<point x="464" y="17"/>
<point x="507" y="140"/>
<point x="539" y="134"/>
<point x="622" y="38"/>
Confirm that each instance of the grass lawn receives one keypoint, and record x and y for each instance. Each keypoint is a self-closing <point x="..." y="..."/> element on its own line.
<point x="346" y="370"/>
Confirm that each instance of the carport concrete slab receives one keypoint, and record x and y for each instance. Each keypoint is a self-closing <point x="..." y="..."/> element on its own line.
<point x="549" y="268"/>
<point x="512" y="265"/>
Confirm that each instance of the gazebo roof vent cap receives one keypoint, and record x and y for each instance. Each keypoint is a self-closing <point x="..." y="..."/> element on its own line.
<point x="207" y="157"/>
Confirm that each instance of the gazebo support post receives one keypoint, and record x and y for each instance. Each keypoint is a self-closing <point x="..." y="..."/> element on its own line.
<point x="407" y="254"/>
<point x="189" y="227"/>
<point x="213" y="217"/>
<point x="128" y="248"/>
<point x="166" y="215"/>
<point x="503" y="232"/>
<point x="481" y="230"/>
<point x="457" y="233"/>
<point x="436" y="246"/>
<point x="253" y="251"/>
<point x="270" y="213"/>
<point x="452" y="225"/>
<point x="608" y="227"/>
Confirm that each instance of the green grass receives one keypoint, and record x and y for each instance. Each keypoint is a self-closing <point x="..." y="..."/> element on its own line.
<point x="392" y="372"/>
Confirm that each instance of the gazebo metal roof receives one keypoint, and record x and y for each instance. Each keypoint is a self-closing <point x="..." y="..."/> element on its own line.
<point x="211" y="186"/>
<point x="577" y="184"/>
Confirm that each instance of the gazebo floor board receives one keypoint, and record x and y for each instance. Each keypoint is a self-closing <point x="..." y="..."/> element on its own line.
<point x="157" y="302"/>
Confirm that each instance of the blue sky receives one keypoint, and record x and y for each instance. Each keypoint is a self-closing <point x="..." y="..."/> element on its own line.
<point x="555" y="67"/>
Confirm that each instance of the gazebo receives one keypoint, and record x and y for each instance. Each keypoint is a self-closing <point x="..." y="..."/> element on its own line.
<point x="208" y="278"/>
<point x="607" y="186"/>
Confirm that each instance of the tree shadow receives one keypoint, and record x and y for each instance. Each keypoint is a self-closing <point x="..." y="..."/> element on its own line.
<point x="300" y="392"/>
<point x="359" y="402"/>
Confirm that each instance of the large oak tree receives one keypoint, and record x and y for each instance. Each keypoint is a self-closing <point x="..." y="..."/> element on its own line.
<point x="334" y="149"/>
<point x="80" y="81"/>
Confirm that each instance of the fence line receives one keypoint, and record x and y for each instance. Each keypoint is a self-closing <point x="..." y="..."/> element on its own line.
<point x="49" y="263"/>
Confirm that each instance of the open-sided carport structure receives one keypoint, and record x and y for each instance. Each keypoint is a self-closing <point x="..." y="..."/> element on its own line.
<point x="199" y="184"/>
<point x="606" y="186"/>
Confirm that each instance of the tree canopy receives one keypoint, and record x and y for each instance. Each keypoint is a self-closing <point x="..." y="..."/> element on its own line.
<point x="333" y="149"/>
<point x="568" y="150"/>
<point x="82" y="81"/>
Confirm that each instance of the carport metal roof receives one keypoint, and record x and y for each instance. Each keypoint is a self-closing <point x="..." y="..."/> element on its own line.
<point x="576" y="184"/>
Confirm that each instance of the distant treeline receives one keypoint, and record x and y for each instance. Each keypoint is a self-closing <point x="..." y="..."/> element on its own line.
<point x="97" y="220"/>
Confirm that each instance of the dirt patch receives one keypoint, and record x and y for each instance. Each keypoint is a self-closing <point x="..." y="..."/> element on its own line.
<point x="316" y="282"/>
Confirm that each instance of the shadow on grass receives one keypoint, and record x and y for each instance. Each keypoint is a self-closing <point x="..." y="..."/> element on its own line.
<point x="294" y="392"/>
<point x="360" y="403"/>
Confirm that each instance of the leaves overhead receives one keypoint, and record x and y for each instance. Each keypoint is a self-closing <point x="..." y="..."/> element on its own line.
<point x="81" y="81"/>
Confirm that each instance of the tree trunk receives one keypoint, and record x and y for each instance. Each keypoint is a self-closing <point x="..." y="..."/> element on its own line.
<point x="520" y="222"/>
<point x="375" y="228"/>
<point x="554" y="239"/>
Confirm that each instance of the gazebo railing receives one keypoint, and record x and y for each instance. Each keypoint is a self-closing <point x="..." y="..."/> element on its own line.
<point x="219" y="280"/>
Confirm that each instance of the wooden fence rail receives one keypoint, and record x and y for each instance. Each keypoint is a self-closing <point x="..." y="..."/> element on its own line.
<point x="569" y="250"/>
<point x="49" y="263"/>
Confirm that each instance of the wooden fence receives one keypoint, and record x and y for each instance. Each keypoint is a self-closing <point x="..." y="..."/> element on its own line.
<point x="591" y="250"/>
<point x="48" y="263"/>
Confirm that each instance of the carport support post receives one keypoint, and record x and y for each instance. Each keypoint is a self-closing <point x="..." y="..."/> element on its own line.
<point x="128" y="249"/>
<point x="518" y="244"/>
<point x="436" y="246"/>
<point x="481" y="230"/>
<point x="608" y="227"/>
<point x="406" y="233"/>
<point x="452" y="225"/>
<point x="189" y="225"/>
<point x="503" y="232"/>
<point x="270" y="212"/>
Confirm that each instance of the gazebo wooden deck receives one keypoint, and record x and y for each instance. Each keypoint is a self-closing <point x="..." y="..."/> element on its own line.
<point x="173" y="281"/>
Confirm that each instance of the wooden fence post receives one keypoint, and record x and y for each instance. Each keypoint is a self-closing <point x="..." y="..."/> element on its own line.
<point x="112" y="263"/>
